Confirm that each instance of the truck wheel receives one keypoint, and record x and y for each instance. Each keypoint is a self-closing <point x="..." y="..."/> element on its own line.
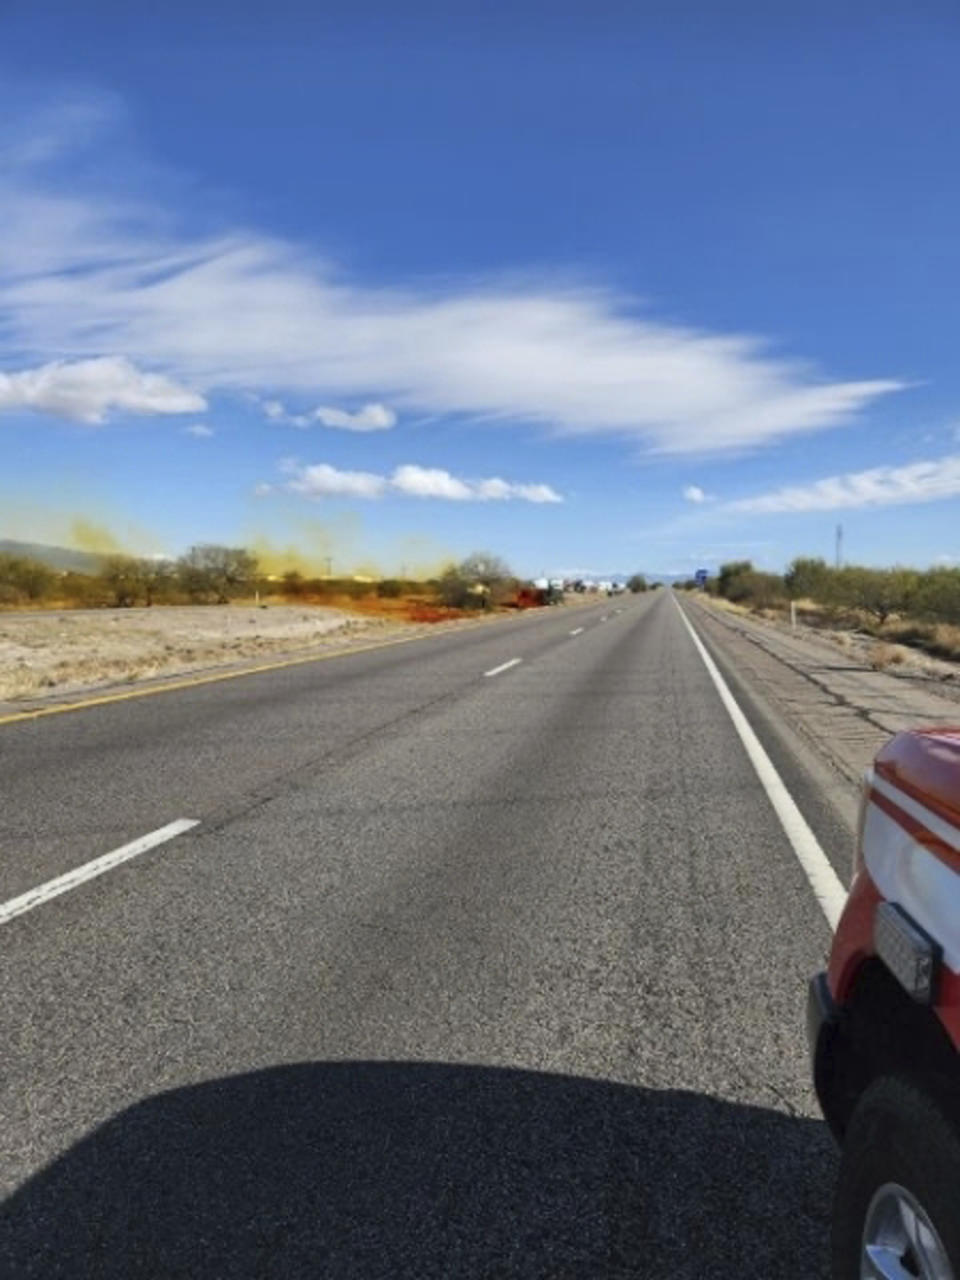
<point x="897" y="1208"/>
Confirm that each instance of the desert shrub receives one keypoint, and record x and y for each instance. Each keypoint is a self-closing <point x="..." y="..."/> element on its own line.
<point x="24" y="579"/>
<point x="390" y="588"/>
<point x="741" y="583"/>
<point x="456" y="591"/>
<point x="728" y="574"/>
<point x="937" y="595"/>
<point x="351" y="588"/>
<point x="211" y="572"/>
<point x="879" y="593"/>
<point x="808" y="578"/>
<point x="124" y="581"/>
<point x="760" y="590"/>
<point x="480" y="580"/>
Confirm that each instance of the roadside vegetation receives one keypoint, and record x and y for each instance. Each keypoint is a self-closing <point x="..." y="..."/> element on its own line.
<point x="210" y="574"/>
<point x="915" y="607"/>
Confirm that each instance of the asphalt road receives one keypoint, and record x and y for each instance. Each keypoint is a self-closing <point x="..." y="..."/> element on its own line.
<point x="458" y="974"/>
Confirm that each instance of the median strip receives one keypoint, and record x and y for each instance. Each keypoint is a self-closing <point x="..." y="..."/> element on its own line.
<point x="90" y="870"/>
<point x="504" y="666"/>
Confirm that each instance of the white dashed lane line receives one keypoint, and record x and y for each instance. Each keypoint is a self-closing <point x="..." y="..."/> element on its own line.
<point x="576" y="631"/>
<point x="504" y="666"/>
<point x="90" y="870"/>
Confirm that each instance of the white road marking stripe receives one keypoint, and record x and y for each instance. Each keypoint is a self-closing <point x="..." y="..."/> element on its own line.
<point x="90" y="870"/>
<point x="824" y="881"/>
<point x="576" y="631"/>
<point x="504" y="666"/>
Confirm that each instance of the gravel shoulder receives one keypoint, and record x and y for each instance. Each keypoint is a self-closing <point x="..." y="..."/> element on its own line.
<point x="827" y="689"/>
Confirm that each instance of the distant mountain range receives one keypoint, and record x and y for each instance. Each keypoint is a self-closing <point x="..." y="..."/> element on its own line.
<point x="55" y="557"/>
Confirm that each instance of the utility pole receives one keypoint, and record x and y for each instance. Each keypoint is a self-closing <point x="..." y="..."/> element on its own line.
<point x="839" y="554"/>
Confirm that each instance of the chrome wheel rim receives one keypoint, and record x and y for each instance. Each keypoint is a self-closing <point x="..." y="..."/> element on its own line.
<point x="899" y="1240"/>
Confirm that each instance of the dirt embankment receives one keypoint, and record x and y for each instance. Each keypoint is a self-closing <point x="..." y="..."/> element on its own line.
<point x="62" y="652"/>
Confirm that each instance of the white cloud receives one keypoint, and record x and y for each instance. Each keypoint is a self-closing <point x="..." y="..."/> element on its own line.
<point x="693" y="493"/>
<point x="82" y="274"/>
<point x="534" y="493"/>
<point x="199" y="430"/>
<point x="321" y="480"/>
<point x="929" y="481"/>
<point x="372" y="417"/>
<point x="430" y="482"/>
<point x="87" y="390"/>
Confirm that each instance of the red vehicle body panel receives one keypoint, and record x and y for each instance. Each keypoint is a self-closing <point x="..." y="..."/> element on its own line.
<point x="909" y="853"/>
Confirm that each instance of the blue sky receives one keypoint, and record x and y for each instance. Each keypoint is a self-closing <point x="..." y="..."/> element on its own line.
<point x="597" y="287"/>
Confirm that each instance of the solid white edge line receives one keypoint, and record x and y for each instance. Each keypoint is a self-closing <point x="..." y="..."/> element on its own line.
<point x="504" y="666"/>
<point x="577" y="631"/>
<point x="90" y="870"/>
<point x="824" y="881"/>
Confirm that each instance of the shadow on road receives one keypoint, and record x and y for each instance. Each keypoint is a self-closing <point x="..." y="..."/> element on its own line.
<point x="377" y="1169"/>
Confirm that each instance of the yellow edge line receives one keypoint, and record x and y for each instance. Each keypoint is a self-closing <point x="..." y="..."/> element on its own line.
<point x="191" y="683"/>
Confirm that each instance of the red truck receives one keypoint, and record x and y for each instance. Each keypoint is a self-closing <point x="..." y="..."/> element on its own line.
<point x="884" y="1021"/>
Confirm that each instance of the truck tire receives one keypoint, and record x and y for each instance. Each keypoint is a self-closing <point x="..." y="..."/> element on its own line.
<point x="898" y="1194"/>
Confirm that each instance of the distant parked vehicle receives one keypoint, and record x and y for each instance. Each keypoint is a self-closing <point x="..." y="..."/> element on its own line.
<point x="884" y="1022"/>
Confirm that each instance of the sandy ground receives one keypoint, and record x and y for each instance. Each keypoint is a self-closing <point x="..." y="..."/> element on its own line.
<point x="56" y="653"/>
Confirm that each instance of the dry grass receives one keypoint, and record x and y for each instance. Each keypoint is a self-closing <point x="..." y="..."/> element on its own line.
<point x="884" y="655"/>
<point x="893" y="639"/>
<point x="939" y="639"/>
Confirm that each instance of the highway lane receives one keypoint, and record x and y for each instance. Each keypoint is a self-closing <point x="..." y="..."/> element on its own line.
<point x="537" y="947"/>
<point x="78" y="784"/>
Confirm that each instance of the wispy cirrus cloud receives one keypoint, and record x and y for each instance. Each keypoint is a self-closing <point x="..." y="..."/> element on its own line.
<point x="84" y="274"/>
<point x="927" y="481"/>
<point x="321" y="480"/>
<point x="89" y="390"/>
